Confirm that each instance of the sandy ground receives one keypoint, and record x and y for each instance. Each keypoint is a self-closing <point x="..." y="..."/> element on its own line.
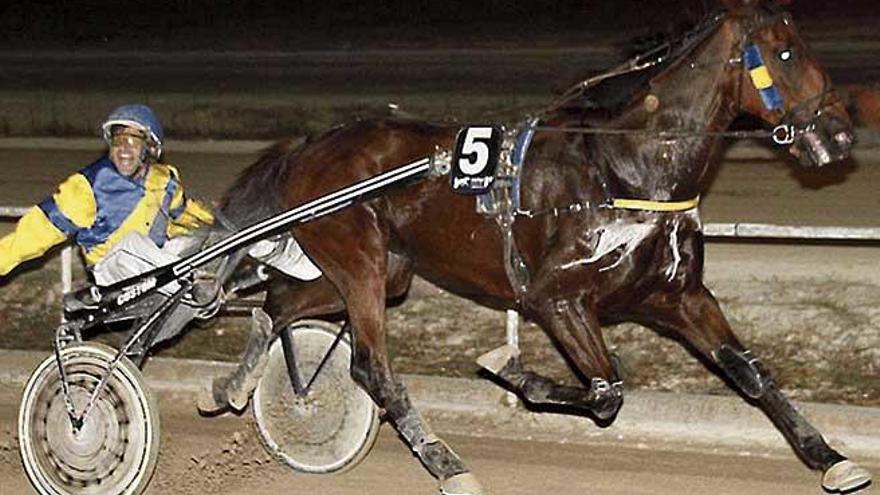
<point x="754" y="183"/>
<point x="223" y="456"/>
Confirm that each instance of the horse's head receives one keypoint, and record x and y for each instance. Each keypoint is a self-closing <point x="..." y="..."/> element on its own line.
<point x="782" y="83"/>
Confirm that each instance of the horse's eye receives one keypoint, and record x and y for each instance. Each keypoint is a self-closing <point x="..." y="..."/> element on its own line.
<point x="785" y="55"/>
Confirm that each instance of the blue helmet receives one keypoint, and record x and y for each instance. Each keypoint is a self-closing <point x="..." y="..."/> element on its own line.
<point x="139" y="117"/>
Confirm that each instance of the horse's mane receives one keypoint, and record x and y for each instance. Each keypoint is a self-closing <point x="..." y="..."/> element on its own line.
<point x="255" y="194"/>
<point x="614" y="93"/>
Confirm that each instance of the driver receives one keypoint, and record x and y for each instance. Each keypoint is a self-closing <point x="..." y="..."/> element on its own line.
<point x="124" y="211"/>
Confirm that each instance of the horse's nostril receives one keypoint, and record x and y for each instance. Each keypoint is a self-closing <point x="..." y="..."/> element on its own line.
<point x="818" y="151"/>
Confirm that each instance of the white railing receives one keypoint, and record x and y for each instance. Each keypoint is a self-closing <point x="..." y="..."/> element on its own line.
<point x="711" y="231"/>
<point x="66" y="253"/>
<point x="789" y="232"/>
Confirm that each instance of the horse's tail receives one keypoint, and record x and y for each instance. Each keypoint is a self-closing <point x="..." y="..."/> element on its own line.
<point x="256" y="192"/>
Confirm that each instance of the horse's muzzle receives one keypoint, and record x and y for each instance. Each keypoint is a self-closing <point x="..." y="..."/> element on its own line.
<point x="823" y="141"/>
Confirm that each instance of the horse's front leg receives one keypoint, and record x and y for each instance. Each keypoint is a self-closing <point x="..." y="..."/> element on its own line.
<point x="602" y="398"/>
<point x="695" y="315"/>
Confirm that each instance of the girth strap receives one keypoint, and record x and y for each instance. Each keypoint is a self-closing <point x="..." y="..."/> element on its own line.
<point x="502" y="202"/>
<point x="649" y="205"/>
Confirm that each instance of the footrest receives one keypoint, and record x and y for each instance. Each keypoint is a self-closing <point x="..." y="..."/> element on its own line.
<point x="495" y="360"/>
<point x="79" y="300"/>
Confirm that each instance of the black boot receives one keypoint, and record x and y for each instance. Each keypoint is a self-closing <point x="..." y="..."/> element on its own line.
<point x="234" y="391"/>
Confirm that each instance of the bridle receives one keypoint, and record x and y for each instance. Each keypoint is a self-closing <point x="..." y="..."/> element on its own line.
<point x="785" y="133"/>
<point x="790" y="125"/>
<point x="744" y="56"/>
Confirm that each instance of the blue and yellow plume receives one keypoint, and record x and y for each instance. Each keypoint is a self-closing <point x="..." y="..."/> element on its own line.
<point x="761" y="77"/>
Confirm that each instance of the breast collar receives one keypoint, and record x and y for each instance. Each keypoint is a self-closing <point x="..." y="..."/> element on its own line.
<point x="514" y="149"/>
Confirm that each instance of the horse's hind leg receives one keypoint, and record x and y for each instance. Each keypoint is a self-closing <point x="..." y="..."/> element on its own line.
<point x="351" y="249"/>
<point x="288" y="301"/>
<point x="697" y="317"/>
<point x="233" y="390"/>
<point x="577" y="330"/>
<point x="305" y="299"/>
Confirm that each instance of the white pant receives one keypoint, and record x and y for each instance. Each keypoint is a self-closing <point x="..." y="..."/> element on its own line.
<point x="136" y="253"/>
<point x="286" y="256"/>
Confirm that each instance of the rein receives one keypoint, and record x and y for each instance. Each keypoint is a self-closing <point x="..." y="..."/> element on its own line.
<point x="786" y="133"/>
<point x="644" y="61"/>
<point x="636" y="64"/>
<point x="667" y="134"/>
<point x="783" y="134"/>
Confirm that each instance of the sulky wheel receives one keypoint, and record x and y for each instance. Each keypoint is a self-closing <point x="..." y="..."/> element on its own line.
<point x="334" y="426"/>
<point x="114" y="451"/>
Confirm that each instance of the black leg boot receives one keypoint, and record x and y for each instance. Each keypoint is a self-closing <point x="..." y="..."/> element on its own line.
<point x="234" y="390"/>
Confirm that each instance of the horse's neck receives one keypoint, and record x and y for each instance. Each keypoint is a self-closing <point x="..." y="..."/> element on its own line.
<point x="696" y="95"/>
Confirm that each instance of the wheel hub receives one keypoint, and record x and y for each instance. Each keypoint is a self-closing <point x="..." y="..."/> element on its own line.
<point x="312" y="419"/>
<point x="92" y="453"/>
<point x="332" y="427"/>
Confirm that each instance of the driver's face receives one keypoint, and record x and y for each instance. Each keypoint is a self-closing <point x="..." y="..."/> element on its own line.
<point x="127" y="148"/>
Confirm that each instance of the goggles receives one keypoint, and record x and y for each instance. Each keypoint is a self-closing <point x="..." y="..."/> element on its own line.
<point x="130" y="139"/>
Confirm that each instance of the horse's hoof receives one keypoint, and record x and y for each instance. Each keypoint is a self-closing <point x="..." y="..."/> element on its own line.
<point x="212" y="400"/>
<point x="496" y="359"/>
<point x="845" y="476"/>
<point x="462" y="484"/>
<point x="222" y="396"/>
<point x="240" y="396"/>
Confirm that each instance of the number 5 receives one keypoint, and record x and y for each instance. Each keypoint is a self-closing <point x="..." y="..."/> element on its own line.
<point x="475" y="150"/>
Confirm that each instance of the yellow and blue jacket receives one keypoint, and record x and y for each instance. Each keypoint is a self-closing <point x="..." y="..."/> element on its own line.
<point x="97" y="207"/>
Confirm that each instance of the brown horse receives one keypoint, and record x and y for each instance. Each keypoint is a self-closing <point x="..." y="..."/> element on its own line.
<point x="607" y="229"/>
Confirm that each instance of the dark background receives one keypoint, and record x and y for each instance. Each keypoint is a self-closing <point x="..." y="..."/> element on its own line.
<point x="298" y="24"/>
<point x="262" y="69"/>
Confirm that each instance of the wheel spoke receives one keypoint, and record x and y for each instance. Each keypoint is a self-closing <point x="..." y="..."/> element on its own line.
<point x="112" y="449"/>
<point x="331" y="428"/>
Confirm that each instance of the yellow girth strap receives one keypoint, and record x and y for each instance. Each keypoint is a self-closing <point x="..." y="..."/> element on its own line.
<point x="648" y="205"/>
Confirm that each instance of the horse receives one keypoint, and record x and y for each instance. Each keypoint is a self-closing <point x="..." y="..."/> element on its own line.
<point x="607" y="227"/>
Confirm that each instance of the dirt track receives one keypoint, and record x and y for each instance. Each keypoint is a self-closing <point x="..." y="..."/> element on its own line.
<point x="754" y="183"/>
<point x="223" y="456"/>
